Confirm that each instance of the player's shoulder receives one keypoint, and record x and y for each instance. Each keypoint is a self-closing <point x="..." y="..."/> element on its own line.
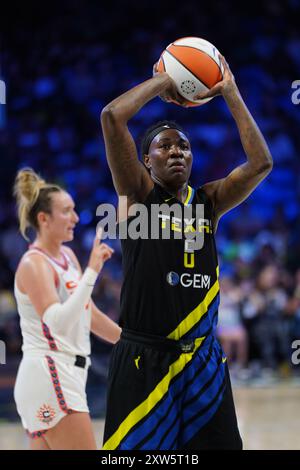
<point x="32" y="265"/>
<point x="32" y="258"/>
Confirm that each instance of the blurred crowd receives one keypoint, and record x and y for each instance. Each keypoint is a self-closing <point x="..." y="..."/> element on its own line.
<point x="62" y="66"/>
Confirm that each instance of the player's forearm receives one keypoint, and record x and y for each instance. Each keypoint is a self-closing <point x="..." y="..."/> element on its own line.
<point x="254" y="144"/>
<point x="61" y="316"/>
<point x="128" y="104"/>
<point x="104" y="327"/>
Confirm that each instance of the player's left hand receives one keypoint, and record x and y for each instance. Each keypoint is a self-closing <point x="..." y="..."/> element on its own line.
<point x="226" y="85"/>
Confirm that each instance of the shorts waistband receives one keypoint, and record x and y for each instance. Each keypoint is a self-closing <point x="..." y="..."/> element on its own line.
<point x="161" y="343"/>
<point x="76" y="360"/>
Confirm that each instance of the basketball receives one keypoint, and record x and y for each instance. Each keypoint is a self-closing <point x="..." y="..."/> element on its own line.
<point x="194" y="65"/>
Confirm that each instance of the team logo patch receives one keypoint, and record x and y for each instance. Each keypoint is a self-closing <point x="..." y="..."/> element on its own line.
<point x="172" y="278"/>
<point x="196" y="280"/>
<point x="46" y="414"/>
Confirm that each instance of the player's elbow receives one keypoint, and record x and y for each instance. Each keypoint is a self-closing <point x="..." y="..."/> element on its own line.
<point x="110" y="115"/>
<point x="107" y="114"/>
<point x="266" y="166"/>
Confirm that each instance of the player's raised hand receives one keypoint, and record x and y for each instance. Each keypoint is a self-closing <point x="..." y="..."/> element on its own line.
<point x="170" y="95"/>
<point x="100" y="253"/>
<point x="226" y="85"/>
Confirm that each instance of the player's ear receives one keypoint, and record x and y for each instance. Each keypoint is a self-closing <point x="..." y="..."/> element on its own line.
<point x="42" y="218"/>
<point x="146" y="160"/>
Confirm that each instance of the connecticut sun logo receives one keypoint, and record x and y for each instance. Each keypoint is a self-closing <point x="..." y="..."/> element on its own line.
<point x="46" y="414"/>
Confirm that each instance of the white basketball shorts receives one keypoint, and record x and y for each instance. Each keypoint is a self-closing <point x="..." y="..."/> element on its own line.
<point x="48" y="388"/>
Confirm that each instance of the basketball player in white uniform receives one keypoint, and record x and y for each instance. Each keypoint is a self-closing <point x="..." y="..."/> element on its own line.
<point x="57" y="315"/>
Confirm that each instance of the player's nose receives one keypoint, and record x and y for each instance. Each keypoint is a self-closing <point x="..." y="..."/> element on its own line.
<point x="175" y="151"/>
<point x="75" y="217"/>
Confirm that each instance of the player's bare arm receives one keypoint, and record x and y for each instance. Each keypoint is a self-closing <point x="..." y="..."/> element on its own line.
<point x="230" y="191"/>
<point x="35" y="276"/>
<point x="101" y="324"/>
<point x="130" y="177"/>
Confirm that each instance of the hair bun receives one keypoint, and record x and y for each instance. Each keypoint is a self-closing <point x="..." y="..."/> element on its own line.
<point x="27" y="190"/>
<point x="28" y="185"/>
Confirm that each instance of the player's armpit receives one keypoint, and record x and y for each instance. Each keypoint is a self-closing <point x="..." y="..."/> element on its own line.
<point x="229" y="192"/>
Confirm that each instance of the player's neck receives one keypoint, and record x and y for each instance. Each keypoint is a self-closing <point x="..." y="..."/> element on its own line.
<point x="180" y="193"/>
<point x="49" y="246"/>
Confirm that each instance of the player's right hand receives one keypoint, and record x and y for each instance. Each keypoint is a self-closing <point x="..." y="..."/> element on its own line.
<point x="170" y="95"/>
<point x="100" y="253"/>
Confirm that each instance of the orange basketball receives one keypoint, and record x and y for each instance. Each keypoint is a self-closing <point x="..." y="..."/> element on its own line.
<point x="194" y="65"/>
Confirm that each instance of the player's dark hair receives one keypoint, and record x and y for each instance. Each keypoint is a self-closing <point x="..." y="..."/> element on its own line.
<point x="155" y="129"/>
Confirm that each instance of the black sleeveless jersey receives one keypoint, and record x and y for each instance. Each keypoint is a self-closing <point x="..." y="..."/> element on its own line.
<point x="168" y="290"/>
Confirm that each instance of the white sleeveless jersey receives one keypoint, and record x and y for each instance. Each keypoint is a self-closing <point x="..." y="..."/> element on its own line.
<point x="37" y="337"/>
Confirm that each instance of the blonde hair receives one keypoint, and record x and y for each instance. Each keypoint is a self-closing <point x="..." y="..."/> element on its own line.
<point x="33" y="195"/>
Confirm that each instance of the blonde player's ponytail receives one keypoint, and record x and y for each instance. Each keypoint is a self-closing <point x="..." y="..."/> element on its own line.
<point x="33" y="195"/>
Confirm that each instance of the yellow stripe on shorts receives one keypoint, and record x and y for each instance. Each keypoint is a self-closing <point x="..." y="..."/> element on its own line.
<point x="153" y="398"/>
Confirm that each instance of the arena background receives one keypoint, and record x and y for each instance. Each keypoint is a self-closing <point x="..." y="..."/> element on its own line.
<point x="61" y="65"/>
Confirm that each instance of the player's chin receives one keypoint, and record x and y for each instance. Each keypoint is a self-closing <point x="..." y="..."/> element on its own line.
<point x="69" y="235"/>
<point x="178" y="177"/>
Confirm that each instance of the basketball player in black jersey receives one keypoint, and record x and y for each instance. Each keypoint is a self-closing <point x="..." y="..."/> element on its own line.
<point x="169" y="386"/>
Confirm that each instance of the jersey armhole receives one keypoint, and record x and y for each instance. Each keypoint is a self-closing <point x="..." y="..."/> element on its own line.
<point x="206" y="199"/>
<point x="130" y="217"/>
<point x="204" y="196"/>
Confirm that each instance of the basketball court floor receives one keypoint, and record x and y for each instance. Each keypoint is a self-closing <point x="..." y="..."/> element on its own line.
<point x="269" y="419"/>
